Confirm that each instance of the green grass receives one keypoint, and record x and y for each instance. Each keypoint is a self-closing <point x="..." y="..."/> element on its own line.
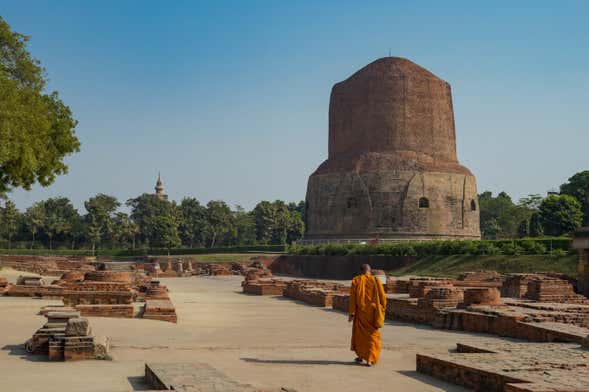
<point x="452" y="266"/>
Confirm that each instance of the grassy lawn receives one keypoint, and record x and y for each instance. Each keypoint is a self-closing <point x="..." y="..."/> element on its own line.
<point x="454" y="265"/>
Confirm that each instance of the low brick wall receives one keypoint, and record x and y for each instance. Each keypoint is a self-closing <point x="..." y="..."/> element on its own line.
<point x="264" y="287"/>
<point x="47" y="292"/>
<point x="45" y="265"/>
<point x="160" y="310"/>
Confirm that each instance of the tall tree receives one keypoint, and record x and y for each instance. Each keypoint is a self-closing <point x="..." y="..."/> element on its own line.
<point x="33" y="219"/>
<point x="37" y="129"/>
<point x="277" y="222"/>
<point x="60" y="215"/>
<point x="10" y="217"/>
<point x="101" y="210"/>
<point x="220" y="221"/>
<point x="500" y="217"/>
<point x="578" y="187"/>
<point x="245" y="227"/>
<point x="536" y="229"/>
<point x="560" y="214"/>
<point x="146" y="212"/>
<point x="166" y="235"/>
<point x="194" y="224"/>
<point x="126" y="230"/>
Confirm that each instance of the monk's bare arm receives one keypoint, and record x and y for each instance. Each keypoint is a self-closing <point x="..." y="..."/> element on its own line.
<point x="352" y="306"/>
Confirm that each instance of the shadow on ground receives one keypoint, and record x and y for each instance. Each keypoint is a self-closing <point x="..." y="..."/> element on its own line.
<point x="298" y="362"/>
<point x="18" y="350"/>
<point x="444" y="386"/>
<point x="138" y="383"/>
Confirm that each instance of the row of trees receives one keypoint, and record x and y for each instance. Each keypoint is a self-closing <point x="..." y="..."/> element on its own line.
<point x="152" y="223"/>
<point x="535" y="216"/>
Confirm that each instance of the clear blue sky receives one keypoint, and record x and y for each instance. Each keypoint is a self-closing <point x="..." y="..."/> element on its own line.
<point x="229" y="100"/>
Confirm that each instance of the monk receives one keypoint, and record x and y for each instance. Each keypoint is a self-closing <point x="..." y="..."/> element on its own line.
<point x="367" y="306"/>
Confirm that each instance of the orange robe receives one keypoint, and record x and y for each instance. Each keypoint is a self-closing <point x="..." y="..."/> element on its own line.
<point x="363" y="301"/>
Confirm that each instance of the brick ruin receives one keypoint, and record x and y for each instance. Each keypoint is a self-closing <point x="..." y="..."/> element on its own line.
<point x="67" y="337"/>
<point x="547" y="310"/>
<point x="93" y="290"/>
<point x="511" y="367"/>
<point x="196" y="377"/>
<point x="46" y="265"/>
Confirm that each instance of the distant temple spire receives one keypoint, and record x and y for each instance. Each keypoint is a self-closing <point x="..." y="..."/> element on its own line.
<point x="159" y="188"/>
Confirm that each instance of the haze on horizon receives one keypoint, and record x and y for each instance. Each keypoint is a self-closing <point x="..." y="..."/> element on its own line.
<point x="229" y="100"/>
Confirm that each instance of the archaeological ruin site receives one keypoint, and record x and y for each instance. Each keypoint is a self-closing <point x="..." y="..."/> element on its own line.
<point x="248" y="326"/>
<point x="278" y="321"/>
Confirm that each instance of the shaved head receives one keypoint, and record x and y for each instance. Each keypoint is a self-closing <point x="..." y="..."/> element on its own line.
<point x="365" y="268"/>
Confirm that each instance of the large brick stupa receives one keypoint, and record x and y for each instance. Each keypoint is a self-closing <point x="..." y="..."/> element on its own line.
<point x="392" y="170"/>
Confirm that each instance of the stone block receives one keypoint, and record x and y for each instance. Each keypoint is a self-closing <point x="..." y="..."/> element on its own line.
<point x="77" y="327"/>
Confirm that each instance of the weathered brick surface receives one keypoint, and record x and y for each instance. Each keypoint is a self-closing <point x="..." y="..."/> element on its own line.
<point x="314" y="292"/>
<point x="341" y="302"/>
<point x="391" y="143"/>
<point x="160" y="310"/>
<point x="114" y="311"/>
<point x="110" y="276"/>
<point x="396" y="286"/>
<point x="419" y="287"/>
<point x="264" y="287"/>
<point x="481" y="296"/>
<point x="511" y="367"/>
<point x="48" y="291"/>
<point x="45" y="265"/>
<point x="546" y="289"/>
<point x="66" y="337"/>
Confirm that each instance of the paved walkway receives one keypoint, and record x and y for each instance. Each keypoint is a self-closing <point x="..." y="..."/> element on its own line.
<point x="268" y="342"/>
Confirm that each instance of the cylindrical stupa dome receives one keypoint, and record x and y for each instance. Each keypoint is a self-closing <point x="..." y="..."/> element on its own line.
<point x="393" y="105"/>
<point x="392" y="170"/>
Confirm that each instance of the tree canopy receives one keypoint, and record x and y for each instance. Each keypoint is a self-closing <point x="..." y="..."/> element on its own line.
<point x="37" y="129"/>
<point x="578" y="187"/>
<point x="560" y="214"/>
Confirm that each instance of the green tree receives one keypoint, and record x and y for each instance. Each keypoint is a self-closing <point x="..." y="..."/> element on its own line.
<point x="245" y="227"/>
<point x="536" y="229"/>
<point x="146" y="211"/>
<point x="60" y="216"/>
<point x="37" y="129"/>
<point x="524" y="228"/>
<point x="578" y="187"/>
<point x="194" y="224"/>
<point x="166" y="234"/>
<point x="10" y="217"/>
<point x="277" y="222"/>
<point x="33" y="219"/>
<point x="78" y="230"/>
<point x="560" y="214"/>
<point x="500" y="217"/>
<point x="101" y="211"/>
<point x="126" y="230"/>
<point x="220" y="221"/>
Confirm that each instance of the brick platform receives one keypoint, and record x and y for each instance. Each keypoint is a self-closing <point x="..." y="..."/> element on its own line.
<point x="195" y="377"/>
<point x="264" y="287"/>
<point x="314" y="292"/>
<point x="160" y="310"/>
<point x="512" y="367"/>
